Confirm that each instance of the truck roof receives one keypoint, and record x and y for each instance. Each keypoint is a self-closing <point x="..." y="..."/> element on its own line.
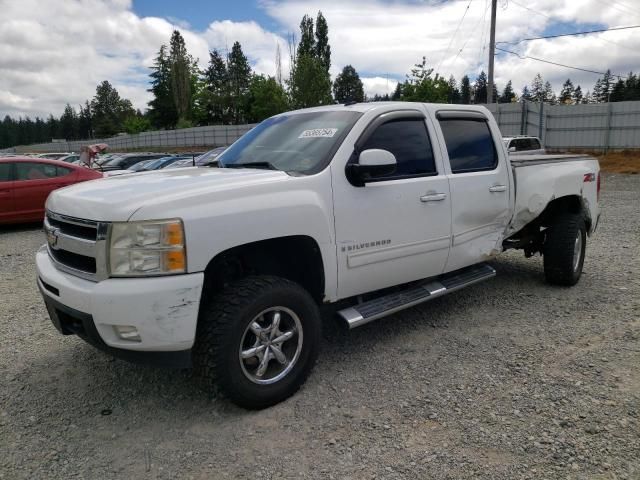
<point x="365" y="107"/>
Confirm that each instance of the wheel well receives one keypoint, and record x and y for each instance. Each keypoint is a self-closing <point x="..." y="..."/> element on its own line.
<point x="296" y="258"/>
<point x="570" y="203"/>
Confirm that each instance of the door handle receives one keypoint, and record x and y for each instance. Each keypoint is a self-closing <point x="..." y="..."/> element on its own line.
<point x="498" y="188"/>
<point x="433" y="197"/>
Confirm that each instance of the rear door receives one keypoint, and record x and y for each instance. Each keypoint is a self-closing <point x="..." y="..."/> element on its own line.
<point x="395" y="228"/>
<point x="33" y="183"/>
<point x="479" y="183"/>
<point x="7" y="204"/>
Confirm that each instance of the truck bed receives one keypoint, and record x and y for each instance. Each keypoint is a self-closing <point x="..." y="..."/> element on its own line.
<point x="539" y="179"/>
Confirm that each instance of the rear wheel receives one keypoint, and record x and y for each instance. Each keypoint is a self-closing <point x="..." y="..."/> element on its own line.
<point x="258" y="340"/>
<point x="564" y="249"/>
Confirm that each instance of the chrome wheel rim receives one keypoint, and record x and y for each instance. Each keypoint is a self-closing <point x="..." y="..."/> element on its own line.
<point x="271" y="345"/>
<point x="577" y="251"/>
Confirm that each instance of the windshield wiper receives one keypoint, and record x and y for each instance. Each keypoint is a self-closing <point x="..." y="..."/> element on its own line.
<point x="266" y="165"/>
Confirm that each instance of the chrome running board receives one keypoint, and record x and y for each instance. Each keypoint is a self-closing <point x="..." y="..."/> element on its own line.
<point x="371" y="310"/>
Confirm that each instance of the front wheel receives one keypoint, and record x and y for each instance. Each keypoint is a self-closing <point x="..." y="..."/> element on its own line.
<point x="258" y="340"/>
<point x="564" y="249"/>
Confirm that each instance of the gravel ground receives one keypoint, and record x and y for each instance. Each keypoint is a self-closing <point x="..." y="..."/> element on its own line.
<point x="508" y="379"/>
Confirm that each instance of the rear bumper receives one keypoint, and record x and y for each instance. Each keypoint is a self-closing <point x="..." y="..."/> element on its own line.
<point x="164" y="310"/>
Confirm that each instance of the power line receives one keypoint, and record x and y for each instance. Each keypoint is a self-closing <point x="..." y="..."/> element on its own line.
<point x="523" y="57"/>
<point x="530" y="9"/>
<point x="470" y="36"/>
<point x="466" y="10"/>
<point x="587" y="32"/>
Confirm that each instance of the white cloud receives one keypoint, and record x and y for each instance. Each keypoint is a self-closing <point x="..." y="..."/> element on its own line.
<point x="378" y="85"/>
<point x="57" y="51"/>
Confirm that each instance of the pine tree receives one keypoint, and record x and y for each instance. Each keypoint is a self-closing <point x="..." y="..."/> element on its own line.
<point x="526" y="94"/>
<point x="239" y="72"/>
<point x="69" y="123"/>
<point x="322" y="47"/>
<point x="566" y="94"/>
<point x="508" y="95"/>
<point x="537" y="88"/>
<point x="348" y="87"/>
<point x="577" y="95"/>
<point x="454" y="93"/>
<point x="465" y="91"/>
<point x="480" y="89"/>
<point x="397" y="93"/>
<point x="618" y="91"/>
<point x="109" y="110"/>
<point x="181" y="76"/>
<point x="549" y="94"/>
<point x="162" y="108"/>
<point x="214" y="97"/>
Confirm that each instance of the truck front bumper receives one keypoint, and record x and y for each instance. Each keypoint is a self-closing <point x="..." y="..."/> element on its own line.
<point x="163" y="311"/>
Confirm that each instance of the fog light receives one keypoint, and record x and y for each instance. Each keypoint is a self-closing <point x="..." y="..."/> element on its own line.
<point x="127" y="332"/>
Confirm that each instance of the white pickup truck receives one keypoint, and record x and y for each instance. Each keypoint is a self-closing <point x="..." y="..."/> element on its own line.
<point x="381" y="205"/>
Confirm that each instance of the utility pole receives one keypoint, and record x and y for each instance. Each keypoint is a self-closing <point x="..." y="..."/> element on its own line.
<point x="492" y="50"/>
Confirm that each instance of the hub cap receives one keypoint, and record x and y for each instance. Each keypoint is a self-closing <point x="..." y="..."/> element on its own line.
<point x="577" y="251"/>
<point x="270" y="345"/>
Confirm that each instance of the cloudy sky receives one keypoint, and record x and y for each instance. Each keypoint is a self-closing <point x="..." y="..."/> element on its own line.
<point x="57" y="51"/>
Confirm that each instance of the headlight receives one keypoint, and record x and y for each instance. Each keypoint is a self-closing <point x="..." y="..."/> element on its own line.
<point x="139" y="249"/>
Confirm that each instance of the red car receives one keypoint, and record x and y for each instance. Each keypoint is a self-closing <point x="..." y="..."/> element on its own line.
<point x="25" y="184"/>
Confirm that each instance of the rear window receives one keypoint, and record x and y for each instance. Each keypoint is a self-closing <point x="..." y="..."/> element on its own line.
<point x="35" y="171"/>
<point x="470" y="145"/>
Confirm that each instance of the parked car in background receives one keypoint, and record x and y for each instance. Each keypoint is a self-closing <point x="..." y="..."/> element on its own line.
<point x="203" y="160"/>
<point x="523" y="145"/>
<point x="25" y="184"/>
<point x="160" y="163"/>
<point x="128" y="160"/>
<point x="73" y="158"/>
<point x="53" y="156"/>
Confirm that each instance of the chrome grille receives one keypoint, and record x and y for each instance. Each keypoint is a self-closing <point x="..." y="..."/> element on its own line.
<point x="77" y="246"/>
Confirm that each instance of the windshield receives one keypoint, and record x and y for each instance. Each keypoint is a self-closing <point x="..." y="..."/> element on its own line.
<point x="302" y="142"/>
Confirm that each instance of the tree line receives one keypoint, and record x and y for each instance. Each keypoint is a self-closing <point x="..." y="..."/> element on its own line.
<point x="227" y="91"/>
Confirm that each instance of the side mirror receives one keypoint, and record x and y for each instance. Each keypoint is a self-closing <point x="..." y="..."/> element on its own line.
<point x="512" y="149"/>
<point x="371" y="163"/>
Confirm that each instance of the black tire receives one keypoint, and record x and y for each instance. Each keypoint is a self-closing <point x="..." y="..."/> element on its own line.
<point x="562" y="264"/>
<point x="224" y="328"/>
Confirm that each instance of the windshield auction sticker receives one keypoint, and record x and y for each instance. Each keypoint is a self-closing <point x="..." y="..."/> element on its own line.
<point x="318" y="133"/>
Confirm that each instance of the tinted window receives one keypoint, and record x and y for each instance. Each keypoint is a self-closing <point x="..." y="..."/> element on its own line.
<point x="534" y="144"/>
<point x="62" y="171"/>
<point x="470" y="145"/>
<point x="35" y="171"/>
<point x="5" y="172"/>
<point x="409" y="142"/>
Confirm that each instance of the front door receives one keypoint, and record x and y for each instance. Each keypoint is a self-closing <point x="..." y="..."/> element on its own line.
<point x="396" y="228"/>
<point x="479" y="182"/>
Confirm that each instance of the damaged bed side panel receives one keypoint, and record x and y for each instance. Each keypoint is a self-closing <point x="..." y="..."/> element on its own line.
<point x="537" y="184"/>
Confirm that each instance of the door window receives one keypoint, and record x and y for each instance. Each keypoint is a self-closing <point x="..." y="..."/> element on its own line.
<point x="470" y="145"/>
<point x="5" y="172"/>
<point x="409" y="142"/>
<point x="38" y="171"/>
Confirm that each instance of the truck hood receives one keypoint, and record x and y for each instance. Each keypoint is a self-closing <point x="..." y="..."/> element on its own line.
<point x="118" y="198"/>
